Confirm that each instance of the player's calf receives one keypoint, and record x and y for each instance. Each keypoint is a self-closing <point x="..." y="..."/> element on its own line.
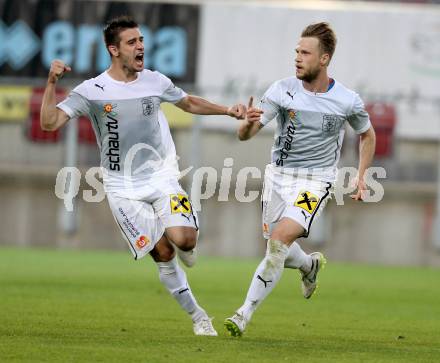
<point x="163" y="251"/>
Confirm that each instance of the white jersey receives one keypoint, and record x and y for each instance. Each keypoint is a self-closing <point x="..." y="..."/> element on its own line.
<point x="310" y="126"/>
<point x="131" y="130"/>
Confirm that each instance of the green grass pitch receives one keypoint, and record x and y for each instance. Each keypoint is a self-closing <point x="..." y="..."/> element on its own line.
<point x="67" y="306"/>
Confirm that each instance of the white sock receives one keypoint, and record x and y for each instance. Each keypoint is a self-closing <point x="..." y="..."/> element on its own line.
<point x="174" y="278"/>
<point x="187" y="253"/>
<point x="297" y="258"/>
<point x="265" y="278"/>
<point x="188" y="258"/>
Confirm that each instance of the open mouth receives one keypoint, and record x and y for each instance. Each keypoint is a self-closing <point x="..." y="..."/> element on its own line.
<point x="139" y="58"/>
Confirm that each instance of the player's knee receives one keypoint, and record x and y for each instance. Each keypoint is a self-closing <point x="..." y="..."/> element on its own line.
<point x="287" y="231"/>
<point x="186" y="240"/>
<point x="284" y="236"/>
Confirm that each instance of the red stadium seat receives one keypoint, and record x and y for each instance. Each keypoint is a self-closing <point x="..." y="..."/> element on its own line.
<point x="34" y="131"/>
<point x="383" y="118"/>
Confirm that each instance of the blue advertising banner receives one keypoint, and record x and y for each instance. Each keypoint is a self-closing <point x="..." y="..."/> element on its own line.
<point x="34" y="32"/>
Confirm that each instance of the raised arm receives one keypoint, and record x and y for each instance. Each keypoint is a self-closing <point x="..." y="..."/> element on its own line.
<point x="51" y="117"/>
<point x="200" y="106"/>
<point x="251" y="124"/>
<point x="367" y="147"/>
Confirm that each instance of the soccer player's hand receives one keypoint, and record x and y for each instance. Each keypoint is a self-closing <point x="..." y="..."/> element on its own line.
<point x="57" y="70"/>
<point x="238" y="111"/>
<point x="361" y="190"/>
<point x="253" y="114"/>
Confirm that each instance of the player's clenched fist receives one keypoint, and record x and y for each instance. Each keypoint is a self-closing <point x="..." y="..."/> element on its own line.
<point x="253" y="114"/>
<point x="57" y="70"/>
<point x="237" y="111"/>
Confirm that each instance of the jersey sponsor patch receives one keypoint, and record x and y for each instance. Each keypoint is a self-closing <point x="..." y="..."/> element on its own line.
<point x="109" y="109"/>
<point x="292" y="114"/>
<point x="179" y="203"/>
<point x="142" y="242"/>
<point x="307" y="201"/>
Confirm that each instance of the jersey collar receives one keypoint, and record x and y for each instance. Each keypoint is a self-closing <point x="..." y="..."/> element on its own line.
<point x="122" y="82"/>
<point x="331" y="87"/>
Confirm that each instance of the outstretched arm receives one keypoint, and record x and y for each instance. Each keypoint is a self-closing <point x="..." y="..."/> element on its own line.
<point x="200" y="106"/>
<point x="367" y="147"/>
<point x="251" y="125"/>
<point x="51" y="117"/>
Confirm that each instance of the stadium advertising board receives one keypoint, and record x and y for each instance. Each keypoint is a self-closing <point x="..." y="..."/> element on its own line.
<point x="14" y="103"/>
<point x="387" y="53"/>
<point x="33" y="33"/>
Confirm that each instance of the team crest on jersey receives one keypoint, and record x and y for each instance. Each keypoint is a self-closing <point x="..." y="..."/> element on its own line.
<point x="329" y="123"/>
<point x="179" y="203"/>
<point x="307" y="201"/>
<point x="109" y="109"/>
<point x="147" y="106"/>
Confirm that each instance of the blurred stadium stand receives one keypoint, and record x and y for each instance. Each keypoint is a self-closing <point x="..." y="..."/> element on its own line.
<point x="398" y="230"/>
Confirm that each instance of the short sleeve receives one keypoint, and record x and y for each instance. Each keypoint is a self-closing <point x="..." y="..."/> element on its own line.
<point x="170" y="93"/>
<point x="269" y="104"/>
<point x="76" y="104"/>
<point x="359" y="119"/>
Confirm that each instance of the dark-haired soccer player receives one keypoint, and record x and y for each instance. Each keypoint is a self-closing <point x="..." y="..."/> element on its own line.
<point x="138" y="155"/>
